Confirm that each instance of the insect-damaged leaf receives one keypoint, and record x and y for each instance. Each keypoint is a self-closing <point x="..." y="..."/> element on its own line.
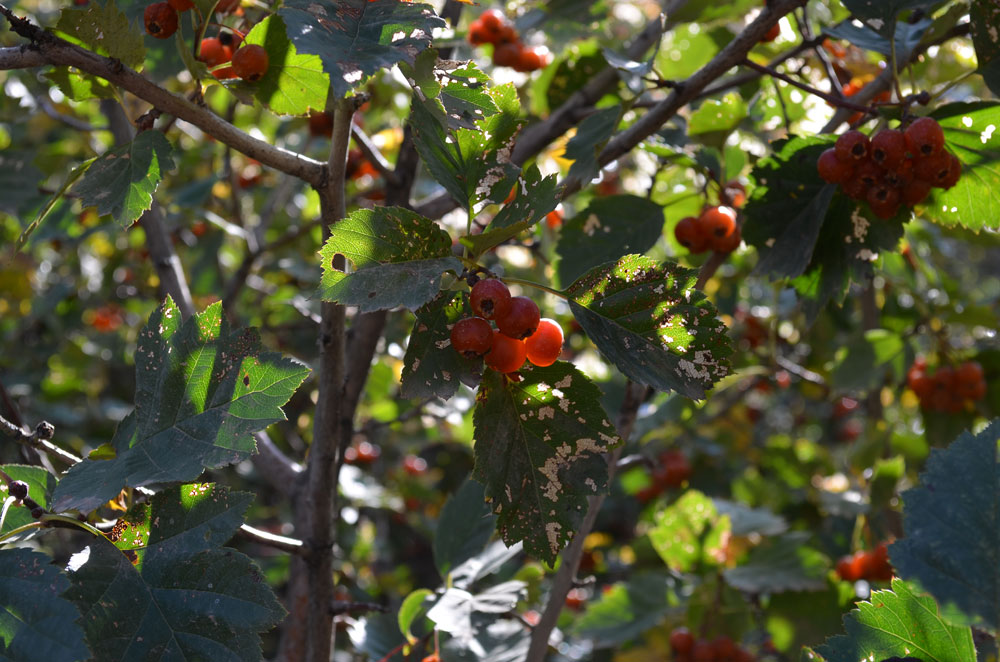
<point x="431" y="367"/>
<point x="202" y="390"/>
<point x="399" y="257"/>
<point x="649" y="320"/>
<point x="539" y="452"/>
<point x="358" y="38"/>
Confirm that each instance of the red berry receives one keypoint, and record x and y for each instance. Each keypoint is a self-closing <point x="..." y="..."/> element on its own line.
<point x="492" y="19"/>
<point x="490" y="298"/>
<point x="472" y="337"/>
<point x="845" y="569"/>
<point x="478" y="34"/>
<point x="724" y="647"/>
<point x="852" y="146"/>
<point x="521" y="319"/>
<point x="771" y="34"/>
<point x="507" y="354"/>
<point x="320" y="124"/>
<point x="884" y="200"/>
<point x="844" y="406"/>
<point x="212" y="52"/>
<point x="250" y="62"/>
<point x="545" y="345"/>
<point x="728" y="244"/>
<point x="506" y="34"/>
<point x="869" y="173"/>
<point x="703" y="651"/>
<point x="691" y="235"/>
<point x="531" y="59"/>
<point x="554" y="219"/>
<point x="674" y="469"/>
<point x="914" y="192"/>
<point x="227" y="6"/>
<point x="924" y="137"/>
<point x="160" y="20"/>
<point x="855" y="187"/>
<point x="507" y="55"/>
<point x="681" y="641"/>
<point x="832" y="168"/>
<point x="734" y="194"/>
<point x="718" y="222"/>
<point x="954" y="173"/>
<point x="969" y="380"/>
<point x="934" y="169"/>
<point x="901" y="175"/>
<point x="888" y="148"/>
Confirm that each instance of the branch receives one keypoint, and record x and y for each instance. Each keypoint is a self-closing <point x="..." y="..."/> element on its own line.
<point x="38" y="439"/>
<point x="563" y="582"/>
<point x="261" y="537"/>
<point x="277" y="468"/>
<point x="373" y="155"/>
<point x="338" y="607"/>
<point x="833" y="99"/>
<point x="49" y="49"/>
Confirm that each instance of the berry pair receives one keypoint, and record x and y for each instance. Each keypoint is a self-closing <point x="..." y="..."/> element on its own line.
<point x="520" y="335"/>
<point x="893" y="167"/>
<point x="948" y="389"/>
<point x="248" y="62"/>
<point x="671" y="472"/>
<point x="687" y="648"/>
<point x="492" y="27"/>
<point x="870" y="566"/>
<point x="715" y="228"/>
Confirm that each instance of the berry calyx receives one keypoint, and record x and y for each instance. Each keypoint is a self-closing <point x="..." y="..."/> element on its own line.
<point x="934" y="168"/>
<point x="888" y="148"/>
<point x="545" y="345"/>
<point x="727" y="244"/>
<point x="490" y="298"/>
<point x="852" y="146"/>
<point x="472" y="337"/>
<point x="521" y="319"/>
<point x="691" y="235"/>
<point x="250" y="62"/>
<point x="924" y="137"/>
<point x="507" y="354"/>
<point x="718" y="222"/>
<point x="832" y="168"/>
<point x="160" y="20"/>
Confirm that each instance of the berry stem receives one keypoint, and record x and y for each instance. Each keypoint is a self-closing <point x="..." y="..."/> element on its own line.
<point x="830" y="98"/>
<point x="21" y="529"/>
<point x="537" y="286"/>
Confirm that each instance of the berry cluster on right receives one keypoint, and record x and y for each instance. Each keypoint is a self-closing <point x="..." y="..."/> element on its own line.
<point x="492" y="27"/>
<point x="673" y="469"/>
<point x="714" y="228"/>
<point x="687" y="648"/>
<point x="521" y="334"/>
<point x="893" y="168"/>
<point x="948" y="389"/>
<point x="871" y="565"/>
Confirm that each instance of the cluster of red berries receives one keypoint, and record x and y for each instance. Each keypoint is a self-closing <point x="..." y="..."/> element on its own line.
<point x="492" y="27"/>
<point x="715" y="228"/>
<point x="687" y="648"/>
<point x="673" y="469"/>
<point x="521" y="333"/>
<point x="871" y="566"/>
<point x="948" y="389"/>
<point x="892" y="168"/>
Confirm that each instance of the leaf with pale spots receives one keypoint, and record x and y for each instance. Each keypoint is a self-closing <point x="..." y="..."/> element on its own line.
<point x="648" y="319"/>
<point x="539" y="453"/>
<point x="358" y="38"/>
<point x="534" y="197"/>
<point x="810" y="231"/>
<point x="691" y="533"/>
<point x="431" y="368"/>
<point x="202" y="390"/>
<point x="106" y="30"/>
<point x="901" y="623"/>
<point x="398" y="257"/>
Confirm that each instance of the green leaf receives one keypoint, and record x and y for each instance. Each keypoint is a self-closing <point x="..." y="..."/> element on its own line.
<point x="718" y="115"/>
<point x="746" y="521"/>
<point x="431" y="368"/>
<point x="952" y="525"/>
<point x="207" y="605"/>
<point x="19" y="180"/>
<point x="591" y="136"/>
<point x="106" y="30"/>
<point x="399" y="257"/>
<point x="882" y="14"/>
<point x="36" y="621"/>
<point x="79" y="86"/>
<point x="607" y="229"/>
<point x="899" y="622"/>
<point x="465" y="526"/>
<point x="534" y="197"/>
<point x="202" y="390"/>
<point x="358" y="38"/>
<point x="648" y="319"/>
<point x="412" y="607"/>
<point x="182" y="520"/>
<point x="294" y="83"/>
<point x="690" y="533"/>
<point x="984" y="16"/>
<point x="121" y="182"/>
<point x="626" y="610"/>
<point x="908" y="37"/>
<point x="886" y="474"/>
<point x="865" y="362"/>
<point x="539" y="453"/>
<point x="40" y="482"/>
<point x="970" y="132"/>
<point x="782" y="564"/>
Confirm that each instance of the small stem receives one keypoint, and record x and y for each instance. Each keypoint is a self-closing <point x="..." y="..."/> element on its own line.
<point x="537" y="286"/>
<point x="20" y="529"/>
<point x="833" y="100"/>
<point x="70" y="521"/>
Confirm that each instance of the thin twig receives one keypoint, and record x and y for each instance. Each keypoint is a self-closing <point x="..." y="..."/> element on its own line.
<point x="373" y="155"/>
<point x="838" y="102"/>
<point x="285" y="544"/>
<point x="38" y="439"/>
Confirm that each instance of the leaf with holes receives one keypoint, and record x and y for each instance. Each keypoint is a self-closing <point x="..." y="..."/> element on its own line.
<point x="610" y="227"/>
<point x="431" y="368"/>
<point x="398" y="255"/>
<point x="970" y="133"/>
<point x="295" y="83"/>
<point x="39" y="623"/>
<point x="202" y="390"/>
<point x="534" y="197"/>
<point x="900" y="622"/>
<point x="106" y="30"/>
<point x="952" y="542"/>
<point x="539" y="453"/>
<point x="121" y="182"/>
<point x="204" y="605"/>
<point x="455" y="91"/>
<point x="648" y="319"/>
<point x="690" y="533"/>
<point x="358" y="38"/>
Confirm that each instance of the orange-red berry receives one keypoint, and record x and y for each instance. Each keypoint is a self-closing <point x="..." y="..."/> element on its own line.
<point x="521" y="319"/>
<point x="490" y="298"/>
<point x="160" y="20"/>
<point x="507" y="354"/>
<point x="832" y="168"/>
<point x="545" y="345"/>
<point x="250" y="62"/>
<point x="924" y="137"/>
<point x="691" y="235"/>
<point x="852" y="146"/>
<point x="472" y="336"/>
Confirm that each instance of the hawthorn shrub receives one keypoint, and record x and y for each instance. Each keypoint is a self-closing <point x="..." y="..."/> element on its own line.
<point x="739" y="402"/>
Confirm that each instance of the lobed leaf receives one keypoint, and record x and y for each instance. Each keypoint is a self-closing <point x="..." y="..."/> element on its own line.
<point x="295" y="83"/>
<point x="691" y="532"/>
<point x="430" y="367"/>
<point x="106" y="30"/>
